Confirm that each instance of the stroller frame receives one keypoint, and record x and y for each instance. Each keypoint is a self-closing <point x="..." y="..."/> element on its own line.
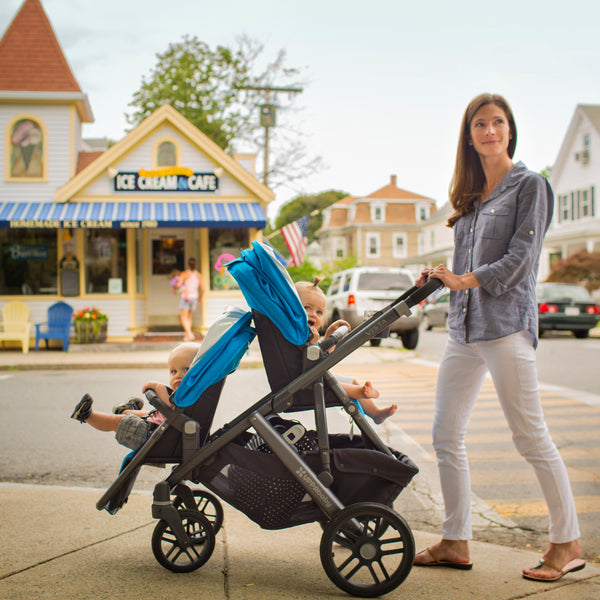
<point x="360" y="527"/>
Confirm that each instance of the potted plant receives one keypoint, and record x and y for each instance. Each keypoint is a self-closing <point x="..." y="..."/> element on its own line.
<point x="90" y="325"/>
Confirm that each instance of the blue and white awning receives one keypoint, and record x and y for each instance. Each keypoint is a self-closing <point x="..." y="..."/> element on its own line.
<point x="130" y="215"/>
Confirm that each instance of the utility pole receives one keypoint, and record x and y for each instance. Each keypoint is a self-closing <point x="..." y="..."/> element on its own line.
<point x="267" y="118"/>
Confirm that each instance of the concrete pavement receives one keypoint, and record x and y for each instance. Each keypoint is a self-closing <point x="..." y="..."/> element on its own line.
<point x="57" y="545"/>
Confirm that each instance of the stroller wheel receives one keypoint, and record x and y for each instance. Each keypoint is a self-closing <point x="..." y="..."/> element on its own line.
<point x="374" y="549"/>
<point x="183" y="556"/>
<point x="206" y="503"/>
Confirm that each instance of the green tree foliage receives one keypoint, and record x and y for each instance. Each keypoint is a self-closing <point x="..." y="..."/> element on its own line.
<point x="582" y="268"/>
<point x="205" y="85"/>
<point x="297" y="208"/>
<point x="307" y="271"/>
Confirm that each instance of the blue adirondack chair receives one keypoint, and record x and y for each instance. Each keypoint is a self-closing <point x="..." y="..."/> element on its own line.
<point x="57" y="327"/>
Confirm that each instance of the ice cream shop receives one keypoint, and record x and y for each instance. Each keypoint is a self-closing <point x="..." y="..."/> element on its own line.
<point x="108" y="227"/>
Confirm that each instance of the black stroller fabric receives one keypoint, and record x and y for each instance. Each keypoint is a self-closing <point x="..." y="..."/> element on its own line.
<point x="259" y="485"/>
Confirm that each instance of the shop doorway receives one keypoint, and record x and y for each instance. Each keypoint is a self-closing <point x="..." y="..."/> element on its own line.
<point x="167" y="251"/>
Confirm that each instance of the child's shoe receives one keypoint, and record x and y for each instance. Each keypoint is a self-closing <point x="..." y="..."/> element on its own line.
<point x="133" y="403"/>
<point x="83" y="409"/>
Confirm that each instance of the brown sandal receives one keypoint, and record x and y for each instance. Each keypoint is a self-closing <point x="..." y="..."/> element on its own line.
<point x="570" y="567"/>
<point x="443" y="563"/>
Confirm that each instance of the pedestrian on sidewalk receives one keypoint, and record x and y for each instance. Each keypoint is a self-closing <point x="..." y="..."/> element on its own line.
<point x="192" y="290"/>
<point x="501" y="214"/>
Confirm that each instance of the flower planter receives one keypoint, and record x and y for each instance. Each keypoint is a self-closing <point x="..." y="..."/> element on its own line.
<point x="90" y="332"/>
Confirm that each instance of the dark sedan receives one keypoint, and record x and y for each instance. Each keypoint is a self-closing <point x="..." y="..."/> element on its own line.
<point x="566" y="307"/>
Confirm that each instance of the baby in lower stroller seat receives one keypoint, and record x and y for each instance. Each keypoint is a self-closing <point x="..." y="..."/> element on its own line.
<point x="132" y="426"/>
<point x="315" y="304"/>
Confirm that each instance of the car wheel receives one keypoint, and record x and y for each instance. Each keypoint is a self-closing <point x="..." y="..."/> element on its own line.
<point x="410" y="339"/>
<point x="541" y="333"/>
<point x="428" y="325"/>
<point x="375" y="341"/>
<point x="581" y="334"/>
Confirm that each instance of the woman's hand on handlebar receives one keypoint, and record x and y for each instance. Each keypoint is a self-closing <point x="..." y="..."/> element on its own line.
<point x="424" y="276"/>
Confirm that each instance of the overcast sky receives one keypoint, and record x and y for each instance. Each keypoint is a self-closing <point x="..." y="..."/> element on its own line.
<point x="388" y="80"/>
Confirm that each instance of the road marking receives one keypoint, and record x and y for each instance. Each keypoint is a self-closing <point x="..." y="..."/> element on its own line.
<point x="524" y="507"/>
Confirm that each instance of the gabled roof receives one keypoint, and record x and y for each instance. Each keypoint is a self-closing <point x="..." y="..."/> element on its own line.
<point x="164" y="114"/>
<point x="593" y="113"/>
<point x="585" y="112"/>
<point x="392" y="192"/>
<point x="30" y="56"/>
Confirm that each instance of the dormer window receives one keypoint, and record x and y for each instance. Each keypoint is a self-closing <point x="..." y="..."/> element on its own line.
<point x="422" y="212"/>
<point x="377" y="212"/>
<point x="27" y="155"/>
<point x="166" y="155"/>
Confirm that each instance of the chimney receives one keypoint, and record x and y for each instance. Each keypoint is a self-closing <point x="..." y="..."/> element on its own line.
<point x="393" y="180"/>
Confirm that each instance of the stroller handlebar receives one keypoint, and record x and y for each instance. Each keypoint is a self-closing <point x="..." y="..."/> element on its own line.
<point x="334" y="338"/>
<point x="419" y="294"/>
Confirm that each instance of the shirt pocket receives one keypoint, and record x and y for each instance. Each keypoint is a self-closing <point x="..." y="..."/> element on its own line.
<point x="496" y="224"/>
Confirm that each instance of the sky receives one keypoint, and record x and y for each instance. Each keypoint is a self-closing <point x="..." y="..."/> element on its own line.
<point x="386" y="81"/>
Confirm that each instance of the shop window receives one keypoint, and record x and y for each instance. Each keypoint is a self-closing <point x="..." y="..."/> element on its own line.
<point x="106" y="261"/>
<point x="26" y="149"/>
<point x="28" y="262"/>
<point x="225" y="245"/>
<point x="166" y="155"/>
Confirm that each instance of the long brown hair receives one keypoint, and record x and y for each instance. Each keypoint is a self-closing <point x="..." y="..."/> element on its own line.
<point x="468" y="178"/>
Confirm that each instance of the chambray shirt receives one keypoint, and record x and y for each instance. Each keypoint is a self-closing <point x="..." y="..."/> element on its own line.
<point x="500" y="242"/>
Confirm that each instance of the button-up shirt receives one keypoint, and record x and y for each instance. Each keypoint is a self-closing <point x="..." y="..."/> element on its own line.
<point x="500" y="243"/>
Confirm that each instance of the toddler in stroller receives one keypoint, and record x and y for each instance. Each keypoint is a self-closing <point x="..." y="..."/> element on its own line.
<point x="347" y="484"/>
<point x="132" y="426"/>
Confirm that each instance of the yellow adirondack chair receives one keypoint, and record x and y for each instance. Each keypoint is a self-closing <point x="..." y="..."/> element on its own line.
<point x="15" y="326"/>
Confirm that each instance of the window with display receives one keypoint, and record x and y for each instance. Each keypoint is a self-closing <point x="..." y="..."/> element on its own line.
<point x="224" y="246"/>
<point x="28" y="262"/>
<point x="105" y="261"/>
<point x="27" y="150"/>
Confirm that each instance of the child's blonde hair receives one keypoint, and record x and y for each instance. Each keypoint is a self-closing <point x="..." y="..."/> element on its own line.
<point x="302" y="286"/>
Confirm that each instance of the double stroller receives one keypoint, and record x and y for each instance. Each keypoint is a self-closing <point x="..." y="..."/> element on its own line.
<point x="271" y="468"/>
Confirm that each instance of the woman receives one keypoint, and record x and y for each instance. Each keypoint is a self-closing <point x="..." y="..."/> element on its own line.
<point x="190" y="285"/>
<point x="501" y="214"/>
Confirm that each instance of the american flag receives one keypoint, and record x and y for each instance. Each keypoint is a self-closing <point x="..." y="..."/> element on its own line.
<point x="294" y="236"/>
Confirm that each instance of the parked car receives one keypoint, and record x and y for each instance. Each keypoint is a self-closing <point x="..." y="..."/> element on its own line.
<point x="567" y="307"/>
<point x="435" y="313"/>
<point x="361" y="290"/>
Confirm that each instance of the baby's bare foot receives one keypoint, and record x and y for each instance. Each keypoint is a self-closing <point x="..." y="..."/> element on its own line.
<point x="369" y="391"/>
<point x="384" y="413"/>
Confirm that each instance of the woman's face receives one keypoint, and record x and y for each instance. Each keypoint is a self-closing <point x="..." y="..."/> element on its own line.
<point x="489" y="132"/>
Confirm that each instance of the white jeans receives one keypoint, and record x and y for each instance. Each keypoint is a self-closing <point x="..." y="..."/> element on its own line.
<point x="511" y="363"/>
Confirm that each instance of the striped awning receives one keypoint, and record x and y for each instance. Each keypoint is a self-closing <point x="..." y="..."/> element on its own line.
<point x="130" y="215"/>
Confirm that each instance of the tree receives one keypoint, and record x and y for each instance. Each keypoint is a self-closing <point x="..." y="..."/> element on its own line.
<point x="297" y="208"/>
<point x="581" y="267"/>
<point x="210" y="88"/>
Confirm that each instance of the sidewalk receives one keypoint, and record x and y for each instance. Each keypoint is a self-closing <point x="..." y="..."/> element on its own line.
<point x="57" y="545"/>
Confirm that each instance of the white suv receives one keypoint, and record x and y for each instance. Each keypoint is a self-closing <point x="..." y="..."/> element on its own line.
<point x="354" y="291"/>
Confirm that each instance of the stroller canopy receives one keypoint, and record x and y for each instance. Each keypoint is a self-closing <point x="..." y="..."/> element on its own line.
<point x="219" y="355"/>
<point x="268" y="289"/>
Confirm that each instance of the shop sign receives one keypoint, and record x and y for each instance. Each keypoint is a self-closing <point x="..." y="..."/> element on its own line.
<point x="161" y="180"/>
<point x="87" y="224"/>
<point x="28" y="251"/>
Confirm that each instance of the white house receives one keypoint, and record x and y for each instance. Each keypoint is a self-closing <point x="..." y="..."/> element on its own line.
<point x="575" y="179"/>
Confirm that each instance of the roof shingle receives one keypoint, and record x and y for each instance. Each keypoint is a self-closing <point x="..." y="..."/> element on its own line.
<point x="30" y="56"/>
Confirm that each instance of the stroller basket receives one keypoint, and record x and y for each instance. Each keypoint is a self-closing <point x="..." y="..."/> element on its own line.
<point x="258" y="484"/>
